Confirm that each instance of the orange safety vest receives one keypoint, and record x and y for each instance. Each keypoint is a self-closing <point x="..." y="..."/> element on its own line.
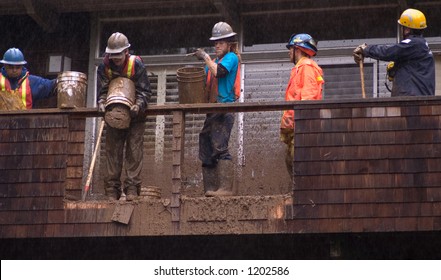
<point x="212" y="87"/>
<point x="305" y="83"/>
<point x="129" y="69"/>
<point x="23" y="89"/>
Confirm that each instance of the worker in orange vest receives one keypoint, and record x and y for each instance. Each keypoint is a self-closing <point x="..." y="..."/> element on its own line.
<point x="119" y="63"/>
<point x="222" y="86"/>
<point x="305" y="83"/>
<point x="15" y="79"/>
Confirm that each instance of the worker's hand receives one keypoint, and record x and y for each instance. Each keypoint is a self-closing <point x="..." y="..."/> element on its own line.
<point x="201" y="54"/>
<point x="134" y="111"/>
<point x="358" y="53"/>
<point x="101" y="106"/>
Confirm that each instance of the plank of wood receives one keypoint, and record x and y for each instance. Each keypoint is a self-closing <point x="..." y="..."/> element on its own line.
<point x="123" y="213"/>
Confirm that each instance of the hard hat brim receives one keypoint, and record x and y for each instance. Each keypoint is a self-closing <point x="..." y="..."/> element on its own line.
<point x="119" y="50"/>
<point x="24" y="62"/>
<point x="399" y="22"/>
<point x="232" y="34"/>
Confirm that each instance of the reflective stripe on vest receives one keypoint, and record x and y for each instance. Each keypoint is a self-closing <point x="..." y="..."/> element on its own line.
<point x="23" y="89"/>
<point x="129" y="69"/>
<point x="2" y="83"/>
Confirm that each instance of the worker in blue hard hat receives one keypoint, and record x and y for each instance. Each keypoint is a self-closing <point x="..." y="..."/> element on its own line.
<point x="15" y="79"/>
<point x="305" y="83"/>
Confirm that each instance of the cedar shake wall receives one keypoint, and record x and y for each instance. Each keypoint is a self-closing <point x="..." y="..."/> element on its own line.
<point x="368" y="167"/>
<point x="361" y="166"/>
<point x="33" y="161"/>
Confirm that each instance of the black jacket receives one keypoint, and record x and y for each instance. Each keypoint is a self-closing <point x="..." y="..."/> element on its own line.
<point x="414" y="63"/>
<point x="140" y="78"/>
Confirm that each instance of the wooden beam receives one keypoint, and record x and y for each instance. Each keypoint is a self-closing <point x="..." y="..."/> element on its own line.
<point x="44" y="15"/>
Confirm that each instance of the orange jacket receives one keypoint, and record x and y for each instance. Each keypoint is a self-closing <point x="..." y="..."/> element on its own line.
<point x="305" y="83"/>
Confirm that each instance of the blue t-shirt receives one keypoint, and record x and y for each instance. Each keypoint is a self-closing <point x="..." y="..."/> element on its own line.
<point x="226" y="84"/>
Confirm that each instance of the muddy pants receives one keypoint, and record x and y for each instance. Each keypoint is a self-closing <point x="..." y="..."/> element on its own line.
<point x="214" y="138"/>
<point x="287" y="137"/>
<point x="132" y="138"/>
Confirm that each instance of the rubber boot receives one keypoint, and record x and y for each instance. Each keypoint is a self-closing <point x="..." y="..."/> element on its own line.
<point x="226" y="176"/>
<point x="210" y="179"/>
<point x="131" y="193"/>
<point x="111" y="193"/>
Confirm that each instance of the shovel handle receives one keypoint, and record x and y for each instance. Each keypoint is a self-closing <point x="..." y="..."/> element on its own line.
<point x="92" y="162"/>
<point x="363" y="92"/>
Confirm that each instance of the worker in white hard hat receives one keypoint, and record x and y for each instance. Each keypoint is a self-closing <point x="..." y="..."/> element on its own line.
<point x="413" y="70"/>
<point x="222" y="86"/>
<point x="118" y="62"/>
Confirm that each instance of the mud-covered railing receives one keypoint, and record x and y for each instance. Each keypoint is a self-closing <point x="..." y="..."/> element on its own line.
<point x="319" y="123"/>
<point x="66" y="129"/>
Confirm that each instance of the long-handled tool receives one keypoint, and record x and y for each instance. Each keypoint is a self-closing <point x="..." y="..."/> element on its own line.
<point x="92" y="163"/>
<point x="362" y="78"/>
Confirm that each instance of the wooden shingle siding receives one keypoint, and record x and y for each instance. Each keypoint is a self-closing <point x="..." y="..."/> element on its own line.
<point x="367" y="168"/>
<point x="75" y="156"/>
<point x="33" y="164"/>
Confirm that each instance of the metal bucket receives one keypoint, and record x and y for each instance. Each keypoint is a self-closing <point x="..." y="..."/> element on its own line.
<point x="191" y="85"/>
<point x="120" y="97"/>
<point x="71" y="90"/>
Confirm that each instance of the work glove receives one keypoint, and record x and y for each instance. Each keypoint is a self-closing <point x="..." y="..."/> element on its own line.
<point x="135" y="108"/>
<point x="358" y="53"/>
<point x="134" y="111"/>
<point x="101" y="106"/>
<point x="201" y="54"/>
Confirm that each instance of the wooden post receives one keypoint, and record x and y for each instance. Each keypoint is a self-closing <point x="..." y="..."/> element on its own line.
<point x="178" y="159"/>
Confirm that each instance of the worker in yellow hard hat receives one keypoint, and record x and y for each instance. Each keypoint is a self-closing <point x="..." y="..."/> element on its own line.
<point x="414" y="64"/>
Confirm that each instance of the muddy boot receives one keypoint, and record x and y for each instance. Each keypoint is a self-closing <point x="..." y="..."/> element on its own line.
<point x="131" y="193"/>
<point x="111" y="193"/>
<point x="210" y="178"/>
<point x="226" y="176"/>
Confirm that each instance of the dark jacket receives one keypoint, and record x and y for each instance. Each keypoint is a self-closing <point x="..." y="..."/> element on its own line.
<point x="414" y="64"/>
<point x="139" y="77"/>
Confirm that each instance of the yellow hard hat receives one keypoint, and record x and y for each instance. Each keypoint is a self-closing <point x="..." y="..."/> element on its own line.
<point x="413" y="19"/>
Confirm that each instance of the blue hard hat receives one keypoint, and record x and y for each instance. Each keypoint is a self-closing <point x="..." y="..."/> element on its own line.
<point x="13" y="56"/>
<point x="304" y="41"/>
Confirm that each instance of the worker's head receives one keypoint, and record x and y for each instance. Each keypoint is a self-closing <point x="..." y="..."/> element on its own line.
<point x="117" y="48"/>
<point x="225" y="39"/>
<point x="301" y="45"/>
<point x="412" y="21"/>
<point x="13" y="60"/>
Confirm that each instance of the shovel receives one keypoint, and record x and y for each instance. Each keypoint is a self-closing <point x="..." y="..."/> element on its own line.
<point x="92" y="163"/>
<point x="362" y="78"/>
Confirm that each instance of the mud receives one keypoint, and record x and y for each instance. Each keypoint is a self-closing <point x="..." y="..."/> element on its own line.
<point x="10" y="102"/>
<point x="118" y="116"/>
<point x="71" y="90"/>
